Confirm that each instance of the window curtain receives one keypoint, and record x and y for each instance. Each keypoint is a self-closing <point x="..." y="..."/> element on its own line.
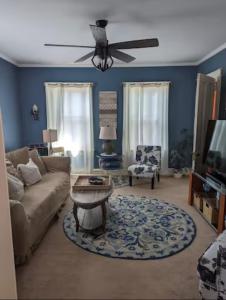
<point x="69" y="110"/>
<point x="145" y="119"/>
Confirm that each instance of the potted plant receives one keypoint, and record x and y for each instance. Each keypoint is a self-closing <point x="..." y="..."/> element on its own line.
<point x="181" y="156"/>
<point x="176" y="162"/>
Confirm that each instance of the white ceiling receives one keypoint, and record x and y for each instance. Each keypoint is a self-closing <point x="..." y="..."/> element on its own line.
<point x="187" y="29"/>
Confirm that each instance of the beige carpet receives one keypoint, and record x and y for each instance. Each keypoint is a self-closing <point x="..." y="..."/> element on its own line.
<point x="61" y="270"/>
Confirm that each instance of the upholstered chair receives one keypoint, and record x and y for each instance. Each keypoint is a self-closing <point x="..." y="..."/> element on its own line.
<point x="212" y="270"/>
<point x="148" y="164"/>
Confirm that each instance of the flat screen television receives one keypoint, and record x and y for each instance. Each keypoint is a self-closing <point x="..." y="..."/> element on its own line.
<point x="215" y="150"/>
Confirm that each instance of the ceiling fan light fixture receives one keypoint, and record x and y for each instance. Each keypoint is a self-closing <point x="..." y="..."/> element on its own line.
<point x="102" y="60"/>
<point x="103" y="53"/>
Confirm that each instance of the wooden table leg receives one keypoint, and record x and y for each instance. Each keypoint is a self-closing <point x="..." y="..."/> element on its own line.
<point x="103" y="208"/>
<point x="153" y="182"/>
<point x="190" y="193"/>
<point x="75" y="212"/>
<point x="195" y="184"/>
<point x="221" y="214"/>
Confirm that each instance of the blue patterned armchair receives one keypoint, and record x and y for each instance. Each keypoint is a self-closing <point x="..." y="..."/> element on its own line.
<point x="212" y="270"/>
<point x="148" y="164"/>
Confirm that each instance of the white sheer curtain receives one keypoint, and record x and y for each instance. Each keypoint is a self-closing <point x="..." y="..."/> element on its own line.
<point x="69" y="110"/>
<point x="145" y="119"/>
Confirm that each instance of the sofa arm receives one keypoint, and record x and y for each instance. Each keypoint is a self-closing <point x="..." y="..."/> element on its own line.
<point x="20" y="231"/>
<point x="57" y="163"/>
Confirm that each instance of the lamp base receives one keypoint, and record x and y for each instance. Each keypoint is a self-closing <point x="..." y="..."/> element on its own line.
<point x="50" y="149"/>
<point x="107" y="147"/>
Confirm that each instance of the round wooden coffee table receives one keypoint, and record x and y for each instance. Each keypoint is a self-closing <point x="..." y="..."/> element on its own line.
<point x="92" y="206"/>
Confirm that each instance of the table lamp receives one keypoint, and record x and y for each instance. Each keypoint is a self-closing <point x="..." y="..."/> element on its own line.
<point x="107" y="134"/>
<point x="49" y="136"/>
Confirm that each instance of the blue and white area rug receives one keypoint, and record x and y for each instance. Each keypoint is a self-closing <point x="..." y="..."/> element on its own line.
<point x="137" y="228"/>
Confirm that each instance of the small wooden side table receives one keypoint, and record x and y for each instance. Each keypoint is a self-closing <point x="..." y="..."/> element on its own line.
<point x="89" y="200"/>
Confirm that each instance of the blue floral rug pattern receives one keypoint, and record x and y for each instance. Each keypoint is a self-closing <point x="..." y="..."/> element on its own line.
<point x="137" y="228"/>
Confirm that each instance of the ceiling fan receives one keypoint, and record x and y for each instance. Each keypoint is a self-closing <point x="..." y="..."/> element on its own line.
<point x="103" y="53"/>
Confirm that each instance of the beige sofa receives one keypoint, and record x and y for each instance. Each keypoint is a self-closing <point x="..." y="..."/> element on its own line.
<point x="41" y="202"/>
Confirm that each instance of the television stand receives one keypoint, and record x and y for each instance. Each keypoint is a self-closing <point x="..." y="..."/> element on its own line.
<point x="196" y="182"/>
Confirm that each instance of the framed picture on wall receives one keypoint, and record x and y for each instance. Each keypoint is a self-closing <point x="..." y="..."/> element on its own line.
<point x="108" y="109"/>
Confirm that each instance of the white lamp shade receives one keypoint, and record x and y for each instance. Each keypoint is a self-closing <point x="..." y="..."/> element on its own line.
<point x="107" y="133"/>
<point x="49" y="135"/>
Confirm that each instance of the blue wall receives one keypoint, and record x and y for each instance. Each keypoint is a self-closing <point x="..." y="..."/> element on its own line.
<point x="30" y="84"/>
<point x="181" y="100"/>
<point x="216" y="62"/>
<point x="9" y="104"/>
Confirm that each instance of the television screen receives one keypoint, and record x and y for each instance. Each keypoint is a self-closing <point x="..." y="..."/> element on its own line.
<point x="216" y="154"/>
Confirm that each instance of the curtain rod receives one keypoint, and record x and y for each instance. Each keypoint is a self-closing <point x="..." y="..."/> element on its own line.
<point x="68" y="83"/>
<point x="158" y="83"/>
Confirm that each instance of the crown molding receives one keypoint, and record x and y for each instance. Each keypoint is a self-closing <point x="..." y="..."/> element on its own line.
<point x="212" y="53"/>
<point x="138" y="65"/>
<point x="117" y="65"/>
<point x="8" y="59"/>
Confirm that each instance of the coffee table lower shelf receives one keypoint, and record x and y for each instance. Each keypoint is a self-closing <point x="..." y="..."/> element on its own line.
<point x="89" y="209"/>
<point x="79" y="223"/>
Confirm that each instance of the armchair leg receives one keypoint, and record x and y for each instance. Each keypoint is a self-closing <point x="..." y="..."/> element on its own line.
<point x="158" y="177"/>
<point x="130" y="180"/>
<point x="153" y="182"/>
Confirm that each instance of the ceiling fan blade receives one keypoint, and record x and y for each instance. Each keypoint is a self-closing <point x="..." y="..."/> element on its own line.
<point x="122" y="56"/>
<point x="99" y="35"/>
<point x="83" y="58"/>
<point x="136" y="44"/>
<point x="61" y="45"/>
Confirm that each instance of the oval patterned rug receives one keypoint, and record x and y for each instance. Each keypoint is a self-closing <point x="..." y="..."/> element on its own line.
<point x="137" y="228"/>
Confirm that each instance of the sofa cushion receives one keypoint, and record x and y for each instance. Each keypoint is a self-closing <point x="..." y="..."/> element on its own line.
<point x="19" y="156"/>
<point x="57" y="163"/>
<point x="42" y="200"/>
<point x="33" y="154"/>
<point x="142" y="170"/>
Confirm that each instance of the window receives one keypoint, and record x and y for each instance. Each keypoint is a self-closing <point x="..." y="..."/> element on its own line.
<point x="69" y="110"/>
<point x="145" y="120"/>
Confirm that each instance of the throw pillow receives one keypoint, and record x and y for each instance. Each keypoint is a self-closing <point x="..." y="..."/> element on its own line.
<point x="30" y="172"/>
<point x="12" y="170"/>
<point x="16" y="188"/>
<point x="38" y="161"/>
<point x="8" y="162"/>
